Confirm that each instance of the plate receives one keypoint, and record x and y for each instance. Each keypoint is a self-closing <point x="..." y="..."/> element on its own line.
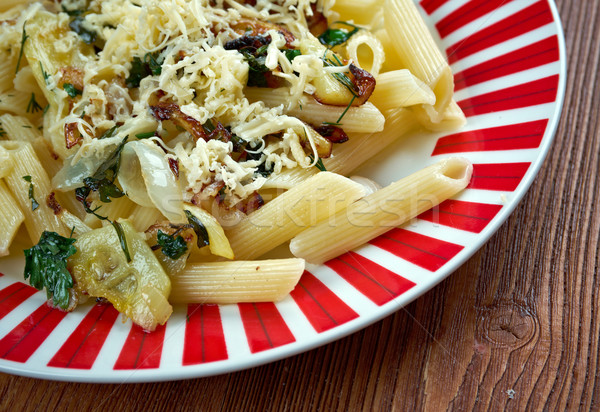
<point x="509" y="63"/>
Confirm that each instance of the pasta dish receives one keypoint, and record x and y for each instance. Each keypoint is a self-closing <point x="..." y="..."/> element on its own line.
<point x="154" y="151"/>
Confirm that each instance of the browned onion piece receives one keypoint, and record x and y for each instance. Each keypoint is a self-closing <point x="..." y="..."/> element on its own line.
<point x="364" y="83"/>
<point x="333" y="133"/>
<point x="253" y="27"/>
<point x="170" y="111"/>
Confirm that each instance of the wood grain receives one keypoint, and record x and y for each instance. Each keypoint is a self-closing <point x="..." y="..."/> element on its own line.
<point x="517" y="327"/>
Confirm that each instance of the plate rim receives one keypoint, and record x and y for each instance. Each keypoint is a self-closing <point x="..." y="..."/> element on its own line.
<point x="344" y="330"/>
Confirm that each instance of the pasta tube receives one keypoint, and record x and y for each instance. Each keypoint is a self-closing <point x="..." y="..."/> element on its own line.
<point x="383" y="210"/>
<point x="284" y="217"/>
<point x="236" y="282"/>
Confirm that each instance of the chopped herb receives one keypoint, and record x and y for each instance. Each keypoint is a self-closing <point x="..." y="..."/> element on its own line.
<point x="319" y="165"/>
<point x="2" y="132"/>
<point x="45" y="74"/>
<point x="346" y="111"/>
<point x="26" y="126"/>
<point x="292" y="54"/>
<point x="109" y="133"/>
<point x="88" y="36"/>
<point x="148" y="135"/>
<point x="150" y="65"/>
<point x="103" y="182"/>
<point x="173" y="246"/>
<point x="24" y="38"/>
<point x="257" y="69"/>
<point x="72" y="90"/>
<point x="34" y="203"/>
<point x="332" y="124"/>
<point x="46" y="267"/>
<point x="199" y="229"/>
<point x="340" y="77"/>
<point x="122" y="239"/>
<point x="335" y="37"/>
<point x="46" y="110"/>
<point x="33" y="106"/>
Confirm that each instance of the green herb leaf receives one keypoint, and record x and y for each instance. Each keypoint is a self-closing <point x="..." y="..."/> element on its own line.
<point x="46" y="267"/>
<point x="172" y="246"/>
<point x="199" y="229"/>
<point x="122" y="239"/>
<point x="150" y="65"/>
<point x="319" y="165"/>
<point x="33" y="106"/>
<point x="256" y="74"/>
<point x="292" y="54"/>
<point x="88" y="36"/>
<point x="335" y="37"/>
<point x="24" y="38"/>
<point x="72" y="90"/>
<point x="34" y="203"/>
<point x="45" y="74"/>
<point x="148" y="135"/>
<point x="109" y="133"/>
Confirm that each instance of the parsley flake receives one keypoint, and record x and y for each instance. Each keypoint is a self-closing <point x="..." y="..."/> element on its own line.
<point x="173" y="246"/>
<point x="46" y="267"/>
<point x="34" y="203"/>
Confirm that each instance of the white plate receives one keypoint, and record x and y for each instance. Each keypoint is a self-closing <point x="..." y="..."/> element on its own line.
<point x="509" y="60"/>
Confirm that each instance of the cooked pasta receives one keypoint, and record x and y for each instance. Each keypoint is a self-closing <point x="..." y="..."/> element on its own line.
<point x="154" y="148"/>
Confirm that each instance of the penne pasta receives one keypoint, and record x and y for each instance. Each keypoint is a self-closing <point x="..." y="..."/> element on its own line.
<point x="11" y="218"/>
<point x="383" y="210"/>
<point x="21" y="129"/>
<point x="352" y="154"/>
<point x="400" y="88"/>
<point x="236" y="282"/>
<point x="419" y="53"/>
<point x="362" y="119"/>
<point x="281" y="219"/>
<point x="359" y="11"/>
<point x="453" y="119"/>
<point x="143" y="217"/>
<point x="26" y="164"/>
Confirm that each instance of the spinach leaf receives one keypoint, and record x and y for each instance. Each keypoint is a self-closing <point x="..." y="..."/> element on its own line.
<point x="199" y="229"/>
<point x="88" y="36"/>
<point x="335" y="37"/>
<point x="46" y="267"/>
<point x="172" y="246"/>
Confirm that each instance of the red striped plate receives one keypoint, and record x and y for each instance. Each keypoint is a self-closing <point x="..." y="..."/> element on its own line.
<point x="508" y="57"/>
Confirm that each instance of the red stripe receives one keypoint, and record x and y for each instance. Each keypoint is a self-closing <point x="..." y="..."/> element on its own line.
<point x="204" y="338"/>
<point x="499" y="176"/>
<point x="469" y="12"/>
<point x="323" y="309"/>
<point x="526" y="20"/>
<point x="82" y="347"/>
<point x="516" y="136"/>
<point x="142" y="350"/>
<point x="264" y="326"/>
<point x="432" y="5"/>
<point x="372" y="280"/>
<point x="469" y="216"/>
<point x="523" y="95"/>
<point x="13" y="295"/>
<point x="529" y="57"/>
<point x="424" y="251"/>
<point x="29" y="335"/>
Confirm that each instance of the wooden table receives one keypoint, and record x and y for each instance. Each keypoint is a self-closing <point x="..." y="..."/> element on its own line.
<point x="517" y="326"/>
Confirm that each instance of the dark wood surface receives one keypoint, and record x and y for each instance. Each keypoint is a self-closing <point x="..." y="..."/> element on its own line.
<point x="517" y="327"/>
